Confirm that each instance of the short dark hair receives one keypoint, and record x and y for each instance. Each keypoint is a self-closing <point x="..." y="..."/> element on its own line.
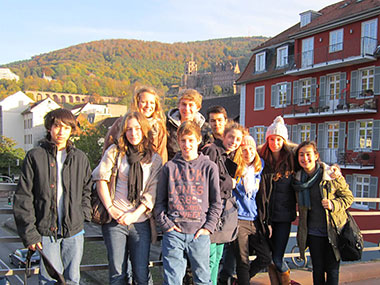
<point x="57" y="116"/>
<point x="216" y="110"/>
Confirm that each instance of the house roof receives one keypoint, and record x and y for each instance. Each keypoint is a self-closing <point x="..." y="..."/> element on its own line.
<point x="108" y="122"/>
<point x="330" y="17"/>
<point x="230" y="103"/>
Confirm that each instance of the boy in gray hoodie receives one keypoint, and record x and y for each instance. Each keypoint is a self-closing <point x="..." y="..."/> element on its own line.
<point x="187" y="208"/>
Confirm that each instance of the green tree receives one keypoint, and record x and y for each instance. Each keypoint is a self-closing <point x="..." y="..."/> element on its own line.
<point x="91" y="141"/>
<point x="10" y="156"/>
<point x="217" y="90"/>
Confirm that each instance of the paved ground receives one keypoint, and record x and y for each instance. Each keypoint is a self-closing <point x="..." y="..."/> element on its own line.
<point x="354" y="273"/>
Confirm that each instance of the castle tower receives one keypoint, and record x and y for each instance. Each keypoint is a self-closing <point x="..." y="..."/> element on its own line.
<point x="191" y="67"/>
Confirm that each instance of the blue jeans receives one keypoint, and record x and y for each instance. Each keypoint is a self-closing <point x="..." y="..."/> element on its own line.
<point x="324" y="261"/>
<point x="280" y="237"/>
<point x="175" y="247"/>
<point x="123" y="241"/>
<point x="65" y="254"/>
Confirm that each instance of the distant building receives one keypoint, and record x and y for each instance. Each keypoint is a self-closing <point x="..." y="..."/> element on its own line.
<point x="11" y="120"/>
<point x="96" y="112"/>
<point x="6" y="73"/>
<point x="69" y="98"/>
<point x="223" y="75"/>
<point x="34" y="129"/>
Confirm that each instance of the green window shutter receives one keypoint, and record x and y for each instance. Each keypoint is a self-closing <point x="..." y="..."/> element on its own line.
<point x="322" y="91"/>
<point x="252" y="132"/>
<point x="313" y="134"/>
<point x="349" y="181"/>
<point x="341" y="136"/>
<point x="295" y="137"/>
<point x="351" y="135"/>
<point x="376" y="134"/>
<point x="343" y="86"/>
<point x="289" y="127"/>
<point x="288" y="93"/>
<point x="273" y="96"/>
<point x="373" y="191"/>
<point x="376" y="87"/>
<point x="295" y="92"/>
<point x="313" y="89"/>
<point x="354" y="90"/>
<point x="321" y="140"/>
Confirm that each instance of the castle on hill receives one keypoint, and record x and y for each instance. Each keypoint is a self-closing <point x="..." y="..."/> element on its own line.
<point x="219" y="82"/>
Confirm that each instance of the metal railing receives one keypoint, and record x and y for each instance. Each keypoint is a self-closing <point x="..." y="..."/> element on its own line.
<point x="92" y="267"/>
<point x="331" y="104"/>
<point x="359" y="47"/>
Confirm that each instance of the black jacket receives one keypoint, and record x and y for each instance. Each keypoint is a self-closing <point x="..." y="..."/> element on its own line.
<point x="173" y="122"/>
<point x="35" y="200"/>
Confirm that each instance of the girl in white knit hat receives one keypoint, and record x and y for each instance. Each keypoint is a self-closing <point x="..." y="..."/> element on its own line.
<point x="277" y="175"/>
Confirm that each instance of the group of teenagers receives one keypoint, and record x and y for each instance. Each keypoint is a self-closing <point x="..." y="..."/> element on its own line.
<point x="185" y="177"/>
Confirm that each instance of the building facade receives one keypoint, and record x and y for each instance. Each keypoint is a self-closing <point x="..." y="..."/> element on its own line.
<point x="223" y="75"/>
<point x="323" y="76"/>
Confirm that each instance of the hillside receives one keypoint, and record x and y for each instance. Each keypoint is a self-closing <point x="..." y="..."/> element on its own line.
<point x="113" y="67"/>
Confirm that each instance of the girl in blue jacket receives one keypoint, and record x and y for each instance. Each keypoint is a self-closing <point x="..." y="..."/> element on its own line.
<point x="250" y="233"/>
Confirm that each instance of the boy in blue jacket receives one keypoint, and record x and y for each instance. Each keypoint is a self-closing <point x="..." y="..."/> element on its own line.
<point x="187" y="208"/>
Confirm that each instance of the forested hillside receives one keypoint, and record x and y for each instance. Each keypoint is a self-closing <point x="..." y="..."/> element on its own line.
<point x="114" y="67"/>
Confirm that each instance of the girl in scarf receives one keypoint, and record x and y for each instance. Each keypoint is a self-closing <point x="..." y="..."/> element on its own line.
<point x="320" y="198"/>
<point x="251" y="224"/>
<point x="129" y="233"/>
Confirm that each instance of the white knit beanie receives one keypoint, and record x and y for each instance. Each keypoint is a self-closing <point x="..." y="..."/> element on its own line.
<point x="277" y="128"/>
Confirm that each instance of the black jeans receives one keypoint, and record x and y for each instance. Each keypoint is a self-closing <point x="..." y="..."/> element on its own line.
<point x="279" y="239"/>
<point x="324" y="261"/>
<point x="249" y="238"/>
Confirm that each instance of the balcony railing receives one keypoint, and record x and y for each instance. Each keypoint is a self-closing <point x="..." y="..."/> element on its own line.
<point x="326" y="56"/>
<point x="348" y="159"/>
<point x="333" y="104"/>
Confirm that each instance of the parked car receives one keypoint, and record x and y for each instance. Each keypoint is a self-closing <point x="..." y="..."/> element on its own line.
<point x="18" y="257"/>
<point x="5" y="179"/>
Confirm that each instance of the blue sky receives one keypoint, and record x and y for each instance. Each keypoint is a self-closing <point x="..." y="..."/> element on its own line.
<point x="32" y="27"/>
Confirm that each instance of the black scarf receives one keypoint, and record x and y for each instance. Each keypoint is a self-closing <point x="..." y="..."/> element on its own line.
<point x="304" y="185"/>
<point x="135" y="175"/>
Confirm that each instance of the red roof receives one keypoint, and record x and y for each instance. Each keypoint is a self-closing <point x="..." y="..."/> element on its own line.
<point x="343" y="10"/>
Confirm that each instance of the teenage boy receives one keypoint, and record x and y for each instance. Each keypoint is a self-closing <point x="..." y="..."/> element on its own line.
<point x="187" y="208"/>
<point x="189" y="104"/>
<point x="52" y="199"/>
<point x="217" y="119"/>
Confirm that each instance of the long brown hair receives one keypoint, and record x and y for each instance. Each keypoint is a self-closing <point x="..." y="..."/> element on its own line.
<point x="284" y="166"/>
<point x="145" y="146"/>
<point x="301" y="145"/>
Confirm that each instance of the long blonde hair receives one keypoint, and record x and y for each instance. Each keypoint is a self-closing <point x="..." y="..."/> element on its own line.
<point x="158" y="113"/>
<point x="242" y="165"/>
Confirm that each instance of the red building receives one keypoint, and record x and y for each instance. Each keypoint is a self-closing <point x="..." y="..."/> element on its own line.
<point x="323" y="76"/>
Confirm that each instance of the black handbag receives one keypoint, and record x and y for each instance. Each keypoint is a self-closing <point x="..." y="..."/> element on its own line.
<point x="350" y="240"/>
<point x="100" y="214"/>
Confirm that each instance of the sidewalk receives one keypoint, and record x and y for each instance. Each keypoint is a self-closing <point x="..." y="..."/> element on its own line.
<point x="352" y="273"/>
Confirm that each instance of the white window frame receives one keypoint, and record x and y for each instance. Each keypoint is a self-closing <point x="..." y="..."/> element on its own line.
<point x="368" y="132"/>
<point x="363" y="180"/>
<point x="305" y="131"/>
<point x="336" y="41"/>
<point x="259" y="91"/>
<point x="282" y="56"/>
<point x="305" y="19"/>
<point x="305" y="91"/>
<point x="369" y="80"/>
<point x="369" y="44"/>
<point x="333" y="86"/>
<point x="307" y="52"/>
<point x="259" y="134"/>
<point x="260" y="62"/>
<point x="281" y="95"/>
